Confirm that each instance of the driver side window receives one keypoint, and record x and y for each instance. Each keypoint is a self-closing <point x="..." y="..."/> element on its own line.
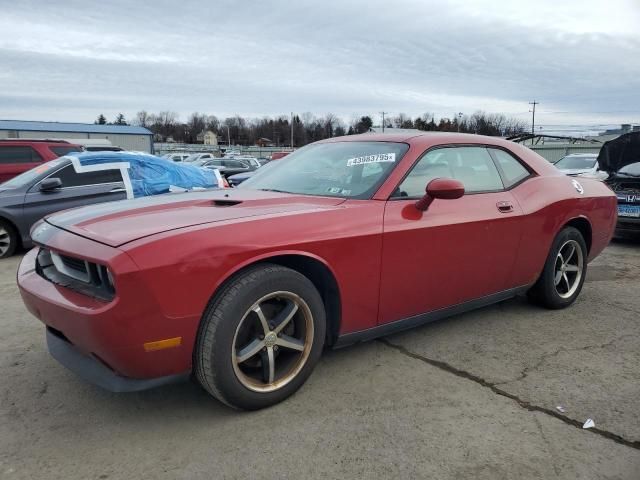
<point x="473" y="166"/>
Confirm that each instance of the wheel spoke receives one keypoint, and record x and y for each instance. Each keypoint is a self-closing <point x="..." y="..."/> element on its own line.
<point x="566" y="280"/>
<point x="561" y="258"/>
<point x="286" y="341"/>
<point x="249" y="350"/>
<point x="263" y="320"/>
<point x="268" y="365"/>
<point x="572" y="268"/>
<point x="285" y="316"/>
<point x="558" y="277"/>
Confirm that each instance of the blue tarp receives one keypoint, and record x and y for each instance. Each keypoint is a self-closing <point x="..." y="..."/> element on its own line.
<point x="144" y="174"/>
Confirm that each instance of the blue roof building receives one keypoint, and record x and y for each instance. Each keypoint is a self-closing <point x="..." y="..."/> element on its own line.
<point x="125" y="136"/>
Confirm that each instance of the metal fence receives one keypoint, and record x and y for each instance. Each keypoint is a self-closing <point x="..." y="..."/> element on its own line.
<point x="251" y="151"/>
<point x="553" y="153"/>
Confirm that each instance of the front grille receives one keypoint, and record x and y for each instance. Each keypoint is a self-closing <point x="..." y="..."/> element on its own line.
<point x="74" y="263"/>
<point x="75" y="274"/>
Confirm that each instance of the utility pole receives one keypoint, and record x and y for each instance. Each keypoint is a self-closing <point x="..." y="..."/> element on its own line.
<point x="533" y="120"/>
<point x="228" y="136"/>
<point x="383" y="114"/>
<point x="459" y="120"/>
<point x="291" y="130"/>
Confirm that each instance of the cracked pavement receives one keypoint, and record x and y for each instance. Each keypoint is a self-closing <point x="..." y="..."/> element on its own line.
<point x="473" y="396"/>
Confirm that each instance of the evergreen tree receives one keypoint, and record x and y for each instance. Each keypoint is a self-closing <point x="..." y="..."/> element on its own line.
<point x="120" y="120"/>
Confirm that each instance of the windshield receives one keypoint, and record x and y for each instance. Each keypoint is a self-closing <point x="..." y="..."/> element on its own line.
<point x="29" y="176"/>
<point x="341" y="169"/>
<point x="576" y="162"/>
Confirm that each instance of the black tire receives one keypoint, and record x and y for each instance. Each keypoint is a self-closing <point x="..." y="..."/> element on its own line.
<point x="215" y="353"/>
<point x="545" y="292"/>
<point x="8" y="239"/>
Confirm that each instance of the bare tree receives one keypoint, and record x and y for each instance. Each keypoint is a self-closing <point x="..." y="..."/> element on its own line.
<point x="195" y="125"/>
<point x="143" y="119"/>
<point x="402" y="121"/>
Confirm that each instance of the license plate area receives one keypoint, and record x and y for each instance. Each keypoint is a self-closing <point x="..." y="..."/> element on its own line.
<point x="629" y="211"/>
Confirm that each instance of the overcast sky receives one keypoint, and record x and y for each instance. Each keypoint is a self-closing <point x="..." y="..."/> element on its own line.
<point x="69" y="60"/>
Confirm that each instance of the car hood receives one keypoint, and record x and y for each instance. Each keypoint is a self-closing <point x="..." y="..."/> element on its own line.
<point x="619" y="152"/>
<point x="117" y="223"/>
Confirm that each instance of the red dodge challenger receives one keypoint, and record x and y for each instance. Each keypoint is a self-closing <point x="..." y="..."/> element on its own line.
<point x="342" y="241"/>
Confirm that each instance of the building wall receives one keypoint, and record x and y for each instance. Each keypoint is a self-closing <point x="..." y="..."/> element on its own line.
<point x="140" y="143"/>
<point x="210" y="138"/>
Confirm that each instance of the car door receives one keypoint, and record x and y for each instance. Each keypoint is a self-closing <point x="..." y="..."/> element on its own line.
<point x="455" y="251"/>
<point x="78" y="189"/>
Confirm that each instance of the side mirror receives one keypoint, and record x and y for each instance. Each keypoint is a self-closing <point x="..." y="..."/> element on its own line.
<point x="50" y="184"/>
<point x="443" y="188"/>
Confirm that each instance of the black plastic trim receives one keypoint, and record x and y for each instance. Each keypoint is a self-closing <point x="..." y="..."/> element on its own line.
<point x="98" y="374"/>
<point x="423" y="318"/>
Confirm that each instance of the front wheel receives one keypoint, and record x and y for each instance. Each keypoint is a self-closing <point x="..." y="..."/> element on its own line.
<point x="260" y="338"/>
<point x="564" y="271"/>
<point x="8" y="239"/>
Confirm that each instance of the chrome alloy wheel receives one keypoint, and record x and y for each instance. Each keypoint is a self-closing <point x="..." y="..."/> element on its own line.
<point x="272" y="342"/>
<point x="568" y="268"/>
<point x="5" y="240"/>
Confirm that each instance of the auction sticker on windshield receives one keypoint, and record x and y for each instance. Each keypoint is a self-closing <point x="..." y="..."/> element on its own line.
<point x="375" y="158"/>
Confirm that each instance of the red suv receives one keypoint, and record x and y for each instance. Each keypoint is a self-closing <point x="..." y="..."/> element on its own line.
<point x="17" y="156"/>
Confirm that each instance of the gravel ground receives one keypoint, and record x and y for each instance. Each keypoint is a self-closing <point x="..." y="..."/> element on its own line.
<point x="474" y="397"/>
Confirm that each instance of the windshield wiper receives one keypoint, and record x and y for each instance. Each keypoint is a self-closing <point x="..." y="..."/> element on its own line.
<point x="272" y="190"/>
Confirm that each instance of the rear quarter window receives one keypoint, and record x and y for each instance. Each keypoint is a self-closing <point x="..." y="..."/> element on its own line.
<point x="512" y="170"/>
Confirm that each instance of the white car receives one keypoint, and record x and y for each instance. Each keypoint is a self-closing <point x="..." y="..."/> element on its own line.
<point x="582" y="164"/>
<point x="253" y="161"/>
<point x="176" y="157"/>
<point x="199" y="156"/>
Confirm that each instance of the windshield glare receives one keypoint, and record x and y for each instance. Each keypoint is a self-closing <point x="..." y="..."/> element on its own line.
<point x="577" y="162"/>
<point x="341" y="169"/>
<point x="30" y="175"/>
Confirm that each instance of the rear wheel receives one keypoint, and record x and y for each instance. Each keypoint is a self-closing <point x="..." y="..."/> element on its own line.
<point x="564" y="271"/>
<point x="8" y="239"/>
<point x="260" y="338"/>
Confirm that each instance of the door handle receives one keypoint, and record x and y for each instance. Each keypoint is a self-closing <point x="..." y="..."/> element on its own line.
<point x="117" y="190"/>
<point x="504" y="206"/>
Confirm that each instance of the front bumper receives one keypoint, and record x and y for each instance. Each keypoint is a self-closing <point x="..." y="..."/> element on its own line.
<point x="95" y="372"/>
<point x="110" y="334"/>
<point x="628" y="225"/>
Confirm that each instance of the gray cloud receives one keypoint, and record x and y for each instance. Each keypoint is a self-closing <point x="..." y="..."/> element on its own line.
<point x="70" y="60"/>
